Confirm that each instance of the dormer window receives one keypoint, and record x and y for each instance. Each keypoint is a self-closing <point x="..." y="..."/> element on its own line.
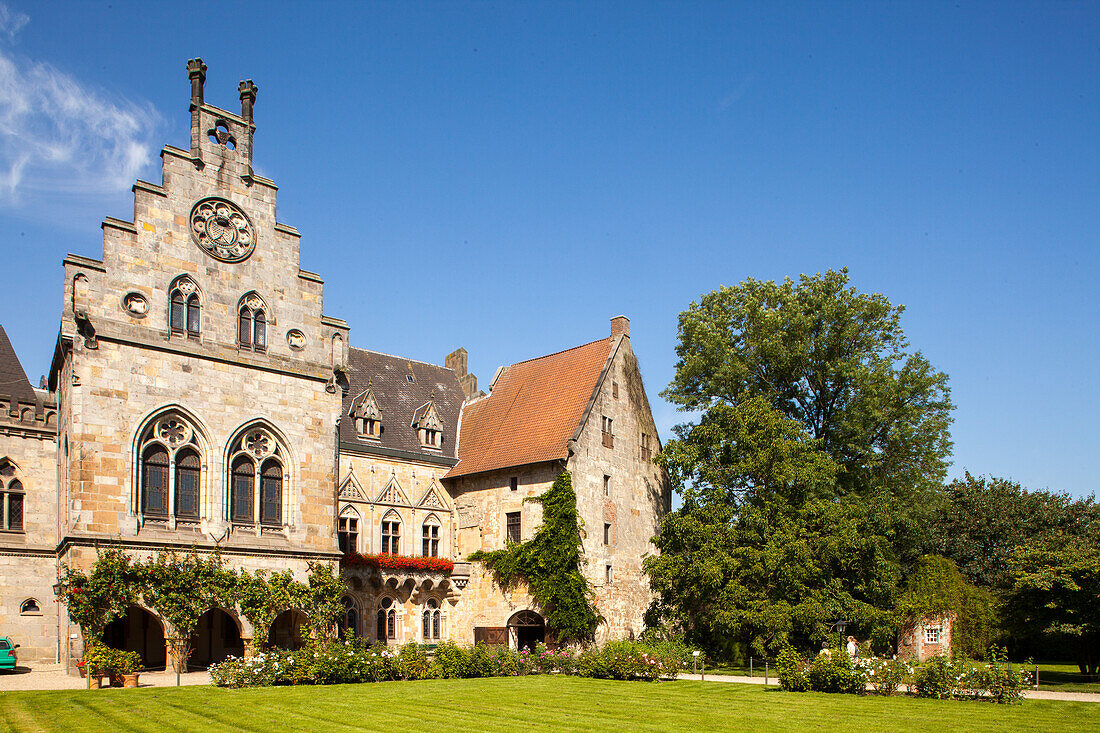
<point x="366" y="415"/>
<point x="429" y="426"/>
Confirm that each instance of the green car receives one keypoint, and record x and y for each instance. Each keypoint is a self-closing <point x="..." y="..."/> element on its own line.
<point x="8" y="657"/>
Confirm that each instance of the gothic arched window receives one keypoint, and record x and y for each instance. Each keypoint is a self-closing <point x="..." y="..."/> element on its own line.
<point x="11" y="506"/>
<point x="391" y="534"/>
<point x="431" y="621"/>
<point x="169" y="470"/>
<point x="387" y="620"/>
<point x="257" y="479"/>
<point x="252" y="324"/>
<point x="430" y="534"/>
<point x="184" y="308"/>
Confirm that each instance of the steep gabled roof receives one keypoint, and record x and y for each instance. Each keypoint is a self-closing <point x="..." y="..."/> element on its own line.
<point x="400" y="401"/>
<point x="533" y="411"/>
<point x="13" y="380"/>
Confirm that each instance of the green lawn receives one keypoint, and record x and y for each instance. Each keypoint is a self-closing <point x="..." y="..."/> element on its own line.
<point x="1063" y="677"/>
<point x="519" y="703"/>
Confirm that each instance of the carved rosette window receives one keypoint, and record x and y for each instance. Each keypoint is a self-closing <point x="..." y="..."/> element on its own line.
<point x="222" y="230"/>
<point x="170" y="471"/>
<point x="257" y="479"/>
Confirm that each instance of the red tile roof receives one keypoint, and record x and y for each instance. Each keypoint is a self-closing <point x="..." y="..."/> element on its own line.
<point x="532" y="412"/>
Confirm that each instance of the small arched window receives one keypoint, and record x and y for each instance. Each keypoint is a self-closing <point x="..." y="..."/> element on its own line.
<point x="271" y="493"/>
<point x="347" y="621"/>
<point x="387" y="620"/>
<point x="431" y="621"/>
<point x="252" y="324"/>
<point x="154" y="484"/>
<point x="391" y="534"/>
<point x="184" y="309"/>
<point x="30" y="607"/>
<point x="187" y="484"/>
<point x="244" y="478"/>
<point x="430" y="541"/>
<point x="11" y="506"/>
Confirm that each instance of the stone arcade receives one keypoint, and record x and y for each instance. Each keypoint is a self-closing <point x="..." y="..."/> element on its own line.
<point x="198" y="397"/>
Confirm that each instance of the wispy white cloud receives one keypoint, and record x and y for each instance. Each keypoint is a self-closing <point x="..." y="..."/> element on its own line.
<point x="12" y="21"/>
<point x="59" y="136"/>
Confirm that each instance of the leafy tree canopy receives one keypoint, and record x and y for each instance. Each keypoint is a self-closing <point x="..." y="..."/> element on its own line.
<point x="806" y="479"/>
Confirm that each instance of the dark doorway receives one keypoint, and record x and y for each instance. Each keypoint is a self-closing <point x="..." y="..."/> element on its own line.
<point x="286" y="630"/>
<point x="526" y="629"/>
<point x="216" y="637"/>
<point x="138" y="631"/>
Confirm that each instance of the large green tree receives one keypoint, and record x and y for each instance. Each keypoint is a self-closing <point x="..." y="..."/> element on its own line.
<point x="807" y="477"/>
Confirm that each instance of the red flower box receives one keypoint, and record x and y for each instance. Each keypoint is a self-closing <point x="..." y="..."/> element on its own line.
<point x="401" y="562"/>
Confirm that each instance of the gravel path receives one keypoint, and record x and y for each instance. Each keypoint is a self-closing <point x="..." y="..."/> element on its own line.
<point x="52" y="677"/>
<point x="1028" y="694"/>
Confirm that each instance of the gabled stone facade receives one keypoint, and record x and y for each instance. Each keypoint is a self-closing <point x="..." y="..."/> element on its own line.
<point x="200" y="398"/>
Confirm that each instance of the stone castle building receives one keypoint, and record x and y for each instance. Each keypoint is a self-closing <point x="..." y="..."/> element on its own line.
<point x="199" y="397"/>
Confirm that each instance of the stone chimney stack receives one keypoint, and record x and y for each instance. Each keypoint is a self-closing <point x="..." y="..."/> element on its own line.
<point x="196" y="72"/>
<point x="458" y="360"/>
<point x="248" y="99"/>
<point x="620" y="326"/>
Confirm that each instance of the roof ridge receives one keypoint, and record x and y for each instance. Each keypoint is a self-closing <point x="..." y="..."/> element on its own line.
<point x="403" y="358"/>
<point x="563" y="351"/>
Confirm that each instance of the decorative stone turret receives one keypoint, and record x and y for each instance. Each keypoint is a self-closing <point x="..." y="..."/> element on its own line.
<point x="219" y="137"/>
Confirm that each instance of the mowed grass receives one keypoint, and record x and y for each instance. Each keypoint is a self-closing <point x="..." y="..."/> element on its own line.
<point x="544" y="703"/>
<point x="1063" y="677"/>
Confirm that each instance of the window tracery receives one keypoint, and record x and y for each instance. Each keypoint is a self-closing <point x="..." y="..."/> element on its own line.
<point x="170" y="470"/>
<point x="257" y="476"/>
<point x="184" y="308"/>
<point x="430" y="537"/>
<point x="391" y="533"/>
<point x="432" y="621"/>
<point x="386" y="620"/>
<point x="252" y="323"/>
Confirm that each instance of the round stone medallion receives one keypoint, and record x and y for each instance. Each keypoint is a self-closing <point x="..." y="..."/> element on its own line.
<point x="222" y="230"/>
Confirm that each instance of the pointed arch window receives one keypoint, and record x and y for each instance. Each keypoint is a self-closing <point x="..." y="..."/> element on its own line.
<point x="252" y="324"/>
<point x="430" y="537"/>
<point x="386" y="630"/>
<point x="184" y="309"/>
<point x="11" y="506"/>
<point x="257" y="479"/>
<point x="391" y="534"/>
<point x="431" y="621"/>
<point x="170" y="469"/>
<point x="347" y="620"/>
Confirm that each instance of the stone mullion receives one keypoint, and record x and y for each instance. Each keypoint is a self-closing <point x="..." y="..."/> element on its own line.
<point x="171" y="508"/>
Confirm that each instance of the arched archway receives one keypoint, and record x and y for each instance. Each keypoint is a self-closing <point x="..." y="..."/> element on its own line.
<point x="217" y="636"/>
<point x="138" y="630"/>
<point x="286" y="631"/>
<point x="526" y="629"/>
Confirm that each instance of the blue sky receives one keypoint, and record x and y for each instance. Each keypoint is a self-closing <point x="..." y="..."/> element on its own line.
<point x="507" y="176"/>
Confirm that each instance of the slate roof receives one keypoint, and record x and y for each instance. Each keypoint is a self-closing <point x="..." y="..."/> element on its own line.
<point x="532" y="412"/>
<point x="13" y="380"/>
<point x="398" y="399"/>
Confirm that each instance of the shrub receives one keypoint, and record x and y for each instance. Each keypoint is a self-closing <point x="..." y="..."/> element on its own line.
<point x="835" y="672"/>
<point x="104" y="660"/>
<point x="1003" y="682"/>
<point x="412" y="663"/>
<point x="939" y="678"/>
<point x="261" y="670"/>
<point x="793" y="675"/>
<point x="884" y="675"/>
<point x="452" y="661"/>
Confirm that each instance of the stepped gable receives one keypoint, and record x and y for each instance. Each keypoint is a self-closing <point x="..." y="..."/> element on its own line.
<point x="13" y="380"/>
<point x="532" y="412"/>
<point x="400" y="400"/>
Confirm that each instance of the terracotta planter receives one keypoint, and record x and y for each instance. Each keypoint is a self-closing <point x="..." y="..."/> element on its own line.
<point x="93" y="683"/>
<point x="116" y="679"/>
<point x="130" y="680"/>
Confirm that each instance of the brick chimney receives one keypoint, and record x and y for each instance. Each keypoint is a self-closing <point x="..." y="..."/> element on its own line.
<point x="620" y="326"/>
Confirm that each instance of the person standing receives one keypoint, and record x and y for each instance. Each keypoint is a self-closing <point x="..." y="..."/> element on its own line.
<point x="852" y="648"/>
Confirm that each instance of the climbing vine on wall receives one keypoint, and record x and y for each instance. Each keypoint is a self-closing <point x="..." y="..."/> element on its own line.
<point x="550" y="563"/>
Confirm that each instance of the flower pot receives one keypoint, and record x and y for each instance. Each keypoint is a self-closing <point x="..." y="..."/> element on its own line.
<point x="130" y="680"/>
<point x="93" y="683"/>
<point x="116" y="679"/>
